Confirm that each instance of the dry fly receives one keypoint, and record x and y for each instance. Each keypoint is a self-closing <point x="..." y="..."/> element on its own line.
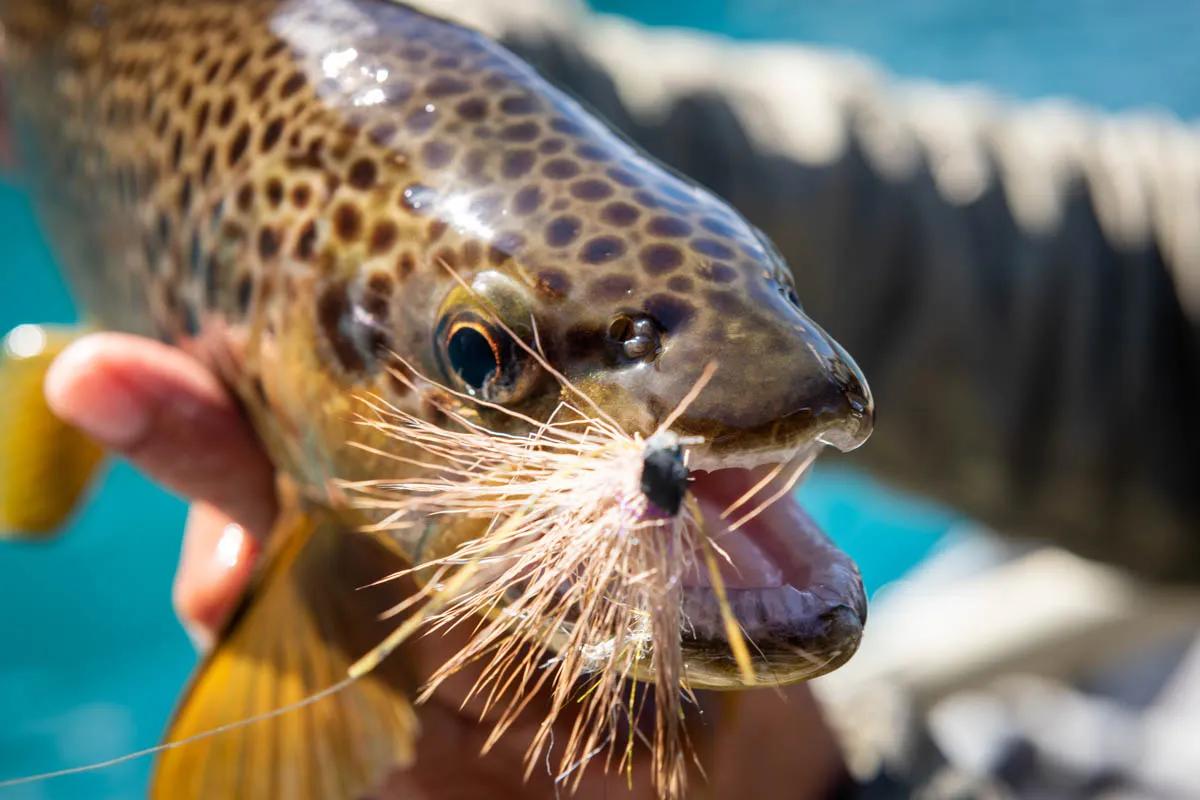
<point x="574" y="587"/>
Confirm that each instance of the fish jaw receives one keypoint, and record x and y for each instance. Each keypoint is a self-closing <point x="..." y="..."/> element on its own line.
<point x="798" y="599"/>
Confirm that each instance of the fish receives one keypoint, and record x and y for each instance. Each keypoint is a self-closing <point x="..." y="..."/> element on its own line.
<point x="326" y="200"/>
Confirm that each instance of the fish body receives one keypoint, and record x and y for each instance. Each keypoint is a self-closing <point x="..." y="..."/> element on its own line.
<point x="320" y="198"/>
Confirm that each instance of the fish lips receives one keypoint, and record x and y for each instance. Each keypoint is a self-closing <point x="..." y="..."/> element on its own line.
<point x="798" y="599"/>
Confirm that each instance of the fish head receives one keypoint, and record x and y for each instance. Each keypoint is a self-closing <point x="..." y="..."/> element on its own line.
<point x="511" y="246"/>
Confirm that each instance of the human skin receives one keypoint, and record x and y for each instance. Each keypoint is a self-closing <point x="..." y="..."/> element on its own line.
<point x="169" y="416"/>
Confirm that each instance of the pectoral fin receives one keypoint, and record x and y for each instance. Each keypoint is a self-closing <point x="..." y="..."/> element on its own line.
<point x="45" y="464"/>
<point x="302" y="625"/>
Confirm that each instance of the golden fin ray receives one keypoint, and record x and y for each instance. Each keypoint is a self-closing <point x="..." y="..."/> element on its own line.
<point x="305" y="621"/>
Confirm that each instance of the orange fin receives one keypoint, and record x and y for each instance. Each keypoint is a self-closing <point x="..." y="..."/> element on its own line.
<point x="305" y="621"/>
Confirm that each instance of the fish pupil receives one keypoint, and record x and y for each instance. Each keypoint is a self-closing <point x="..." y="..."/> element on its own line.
<point x="472" y="357"/>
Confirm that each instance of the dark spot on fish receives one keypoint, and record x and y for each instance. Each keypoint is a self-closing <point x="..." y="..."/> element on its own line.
<point x="347" y="222"/>
<point x="437" y="153"/>
<point x="561" y="231"/>
<point x="475" y="163"/>
<point x="519" y="105"/>
<point x="202" y="117"/>
<point x="274" y="49"/>
<point x="472" y="109"/>
<point x="414" y="53"/>
<point x="720" y="228"/>
<point x="560" y="169"/>
<point x="378" y="296"/>
<point x="195" y="254"/>
<point x="260" y="85"/>
<point x="176" y="149"/>
<point x="527" y="200"/>
<point x="245" y="197"/>
<point x="271" y="135"/>
<point x="334" y="317"/>
<point x="612" y="287"/>
<point x="669" y="226"/>
<point x="226" y="112"/>
<point x="238" y="65"/>
<point x="520" y="132"/>
<point x="268" y="243"/>
<point x="602" y="249"/>
<point x="646" y="199"/>
<point x="245" y="293"/>
<point x="362" y="174"/>
<point x="591" y="190"/>
<point x="711" y="248"/>
<point x="380" y="135"/>
<point x="553" y="284"/>
<point x="211" y="74"/>
<point x="658" y="259"/>
<point x="420" y="120"/>
<point x="446" y="258"/>
<point x="447" y="62"/>
<point x="294" y="83"/>
<point x="592" y="152"/>
<point x="446" y="86"/>
<point x="583" y="341"/>
<point x="164" y="230"/>
<point x="185" y="195"/>
<point x="405" y="265"/>
<point x="383" y="237"/>
<point x="551" y="147"/>
<point x="206" y="163"/>
<point x="274" y="192"/>
<point x="720" y="273"/>
<point x="301" y="194"/>
<point x="672" y="313"/>
<point x="238" y="146"/>
<point x="307" y="241"/>
<point x="620" y="213"/>
<point x="680" y="283"/>
<point x="567" y="126"/>
<point x="185" y="94"/>
<point x="517" y="163"/>
<point x="724" y="302"/>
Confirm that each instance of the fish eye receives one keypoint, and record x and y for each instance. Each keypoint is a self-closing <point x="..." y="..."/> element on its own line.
<point x="473" y="355"/>
<point x="483" y="360"/>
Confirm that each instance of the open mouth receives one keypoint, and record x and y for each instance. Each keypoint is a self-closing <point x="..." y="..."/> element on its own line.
<point x="798" y="599"/>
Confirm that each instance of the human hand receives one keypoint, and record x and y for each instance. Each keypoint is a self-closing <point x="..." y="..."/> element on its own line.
<point x="165" y="412"/>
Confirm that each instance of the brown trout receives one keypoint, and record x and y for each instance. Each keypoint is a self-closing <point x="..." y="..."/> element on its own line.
<point x="313" y="196"/>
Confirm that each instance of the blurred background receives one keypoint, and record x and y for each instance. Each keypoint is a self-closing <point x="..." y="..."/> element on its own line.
<point x="91" y="656"/>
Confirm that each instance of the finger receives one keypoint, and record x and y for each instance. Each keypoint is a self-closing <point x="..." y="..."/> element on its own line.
<point x="214" y="569"/>
<point x="171" y="417"/>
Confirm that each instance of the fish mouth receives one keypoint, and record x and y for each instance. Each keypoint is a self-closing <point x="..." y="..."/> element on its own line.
<point x="798" y="599"/>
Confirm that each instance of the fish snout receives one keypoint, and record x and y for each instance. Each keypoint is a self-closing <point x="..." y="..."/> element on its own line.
<point x="841" y="401"/>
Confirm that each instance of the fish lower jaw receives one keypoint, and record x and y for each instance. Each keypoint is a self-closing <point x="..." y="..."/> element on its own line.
<point x="797" y="598"/>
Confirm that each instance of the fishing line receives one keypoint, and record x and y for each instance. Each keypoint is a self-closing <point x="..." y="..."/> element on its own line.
<point x="149" y="751"/>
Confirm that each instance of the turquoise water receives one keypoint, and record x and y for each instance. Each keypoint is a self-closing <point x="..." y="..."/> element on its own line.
<point x="91" y="657"/>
